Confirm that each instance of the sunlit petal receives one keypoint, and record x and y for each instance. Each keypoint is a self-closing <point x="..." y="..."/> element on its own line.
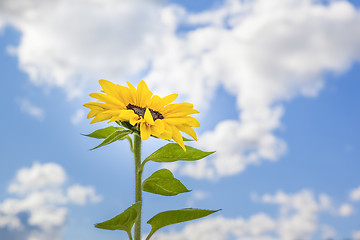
<point x="150" y="114"/>
<point x="148" y="118"/>
<point x="145" y="131"/>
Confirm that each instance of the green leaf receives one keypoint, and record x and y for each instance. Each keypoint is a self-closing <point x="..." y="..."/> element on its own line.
<point x="162" y="182"/>
<point x="104" y="132"/>
<point x="117" y="135"/>
<point x="173" y="152"/>
<point x="187" y="139"/>
<point x="176" y="216"/>
<point x="124" y="221"/>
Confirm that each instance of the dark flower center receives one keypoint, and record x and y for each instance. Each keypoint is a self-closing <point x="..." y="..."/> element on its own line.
<point x="141" y="111"/>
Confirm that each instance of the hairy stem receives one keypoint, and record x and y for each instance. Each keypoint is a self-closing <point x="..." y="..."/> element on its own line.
<point x="138" y="191"/>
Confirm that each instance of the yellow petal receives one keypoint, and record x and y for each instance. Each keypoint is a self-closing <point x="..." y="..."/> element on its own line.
<point x="100" y="117"/>
<point x="153" y="103"/>
<point x="177" y="107"/>
<point x="182" y="113"/>
<point x="96" y="105"/>
<point x="193" y="122"/>
<point x="188" y="130"/>
<point x="167" y="134"/>
<point x="177" y="137"/>
<point x="148" y="117"/>
<point x="134" y="120"/>
<point x="128" y="114"/>
<point x="165" y="101"/>
<point x="143" y="94"/>
<point x="144" y="131"/>
<point x="124" y="94"/>
<point x="92" y="113"/>
<point x="109" y="87"/>
<point x="115" y="118"/>
<point x="181" y="121"/>
<point x="158" y="128"/>
<point x="108" y="99"/>
<point x="114" y="112"/>
<point x="114" y="101"/>
<point x="133" y="93"/>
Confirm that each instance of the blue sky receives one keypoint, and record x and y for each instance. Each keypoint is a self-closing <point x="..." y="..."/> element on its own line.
<point x="276" y="84"/>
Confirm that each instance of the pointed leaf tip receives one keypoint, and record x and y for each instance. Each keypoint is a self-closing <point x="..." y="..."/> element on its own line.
<point x="173" y="152"/>
<point x="162" y="182"/>
<point x="124" y="221"/>
<point x="117" y="135"/>
<point x="166" y="218"/>
<point x="103" y="133"/>
<point x="187" y="139"/>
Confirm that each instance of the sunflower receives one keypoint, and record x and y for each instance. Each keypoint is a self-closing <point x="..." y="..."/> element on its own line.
<point x="150" y="114"/>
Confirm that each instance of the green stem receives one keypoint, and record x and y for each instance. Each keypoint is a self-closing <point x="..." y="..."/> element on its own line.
<point x="150" y="235"/>
<point x="138" y="190"/>
<point x="129" y="235"/>
<point x="143" y="164"/>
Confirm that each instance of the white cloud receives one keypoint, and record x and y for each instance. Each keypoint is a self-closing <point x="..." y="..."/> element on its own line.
<point x="29" y="108"/>
<point x="39" y="192"/>
<point x="356" y="235"/>
<point x="301" y="224"/>
<point x="327" y="232"/>
<point x="53" y="234"/>
<point x="355" y="194"/>
<point x="297" y="218"/>
<point x="37" y="177"/>
<point x="81" y="42"/>
<point x="197" y="195"/>
<point x="78" y="116"/>
<point x="346" y="210"/>
<point x="82" y="195"/>
<point x="220" y="228"/>
<point x="260" y="51"/>
<point x="263" y="52"/>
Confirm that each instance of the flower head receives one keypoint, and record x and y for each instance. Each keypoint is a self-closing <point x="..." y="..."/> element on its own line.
<point x="152" y="114"/>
